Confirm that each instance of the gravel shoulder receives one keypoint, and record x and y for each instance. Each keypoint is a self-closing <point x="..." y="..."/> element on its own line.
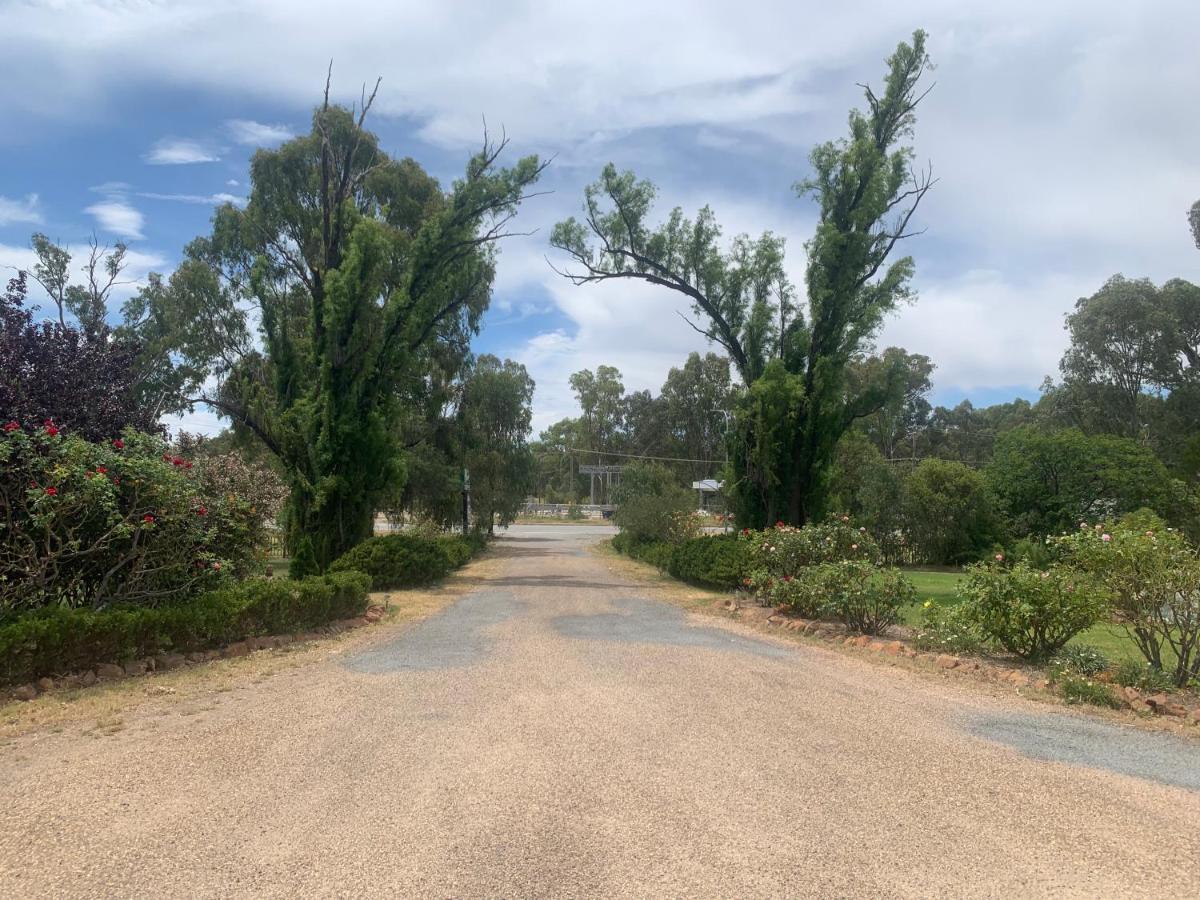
<point x="545" y="725"/>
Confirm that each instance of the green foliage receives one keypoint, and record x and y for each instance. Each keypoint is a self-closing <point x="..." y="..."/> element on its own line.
<point x="1080" y="659"/>
<point x="122" y="521"/>
<point x="368" y="277"/>
<point x="1142" y="675"/>
<point x="1080" y="689"/>
<point x="717" y="561"/>
<point x="948" y="513"/>
<point x="58" y="639"/>
<point x="1029" y="612"/>
<point x="1047" y="482"/>
<point x="867" y="600"/>
<point x="405" y="560"/>
<point x="948" y="629"/>
<point x="801" y="399"/>
<point x="1153" y="575"/>
<point x="651" y="505"/>
<point x="495" y="413"/>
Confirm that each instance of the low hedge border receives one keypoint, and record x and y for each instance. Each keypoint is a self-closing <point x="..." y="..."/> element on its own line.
<point x="409" y="560"/>
<point x="57" y="639"/>
<point x="718" y="561"/>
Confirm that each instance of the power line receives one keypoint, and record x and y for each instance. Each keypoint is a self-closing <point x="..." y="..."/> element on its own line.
<point x="708" y="462"/>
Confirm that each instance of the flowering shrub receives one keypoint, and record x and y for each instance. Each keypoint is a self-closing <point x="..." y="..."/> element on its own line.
<point x="780" y="558"/>
<point x="948" y="629"/>
<point x="864" y="598"/>
<point x="1029" y="612"/>
<point x="90" y="524"/>
<point x="1153" y="575"/>
<point x="1081" y="659"/>
<point x="651" y="506"/>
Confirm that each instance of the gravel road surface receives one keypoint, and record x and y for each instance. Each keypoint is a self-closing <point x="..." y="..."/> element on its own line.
<point x="555" y="733"/>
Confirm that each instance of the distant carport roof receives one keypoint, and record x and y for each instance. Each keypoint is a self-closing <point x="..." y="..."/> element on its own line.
<point x="708" y="484"/>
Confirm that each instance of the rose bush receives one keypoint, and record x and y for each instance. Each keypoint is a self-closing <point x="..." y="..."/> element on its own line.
<point x="1032" y="612"/>
<point x="1153" y="575"/>
<point x="94" y="523"/>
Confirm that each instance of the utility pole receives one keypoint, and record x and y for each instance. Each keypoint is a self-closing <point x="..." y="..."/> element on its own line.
<point x="466" y="501"/>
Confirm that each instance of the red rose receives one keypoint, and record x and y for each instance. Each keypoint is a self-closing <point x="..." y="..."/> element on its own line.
<point x="12" y="426"/>
<point x="100" y="470"/>
<point x="51" y="431"/>
<point x="52" y="491"/>
<point x="779" y="524"/>
<point x="187" y="465"/>
<point x="148" y="517"/>
<point x="177" y="461"/>
<point x="119" y="444"/>
<point x="202" y="511"/>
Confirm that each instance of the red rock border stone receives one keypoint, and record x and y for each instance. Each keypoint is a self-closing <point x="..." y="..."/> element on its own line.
<point x="1159" y="704"/>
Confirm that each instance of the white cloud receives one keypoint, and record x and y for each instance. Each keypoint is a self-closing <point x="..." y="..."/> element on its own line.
<point x="1055" y="129"/>
<point x="15" y="211"/>
<point x="200" y="199"/>
<point x="180" y="152"/>
<point x="116" y="216"/>
<point x="257" y="134"/>
<point x="138" y="264"/>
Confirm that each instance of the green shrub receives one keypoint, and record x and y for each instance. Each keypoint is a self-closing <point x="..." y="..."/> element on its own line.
<point x="1153" y="574"/>
<point x="398" y="560"/>
<point x="1028" y="612"/>
<point x="1078" y="689"/>
<point x="948" y="629"/>
<point x="459" y="549"/>
<point x="1141" y="675"/>
<point x="656" y="553"/>
<point x="1080" y="659"/>
<point x="719" y="561"/>
<point x="97" y="524"/>
<point x="651" y="505"/>
<point x="781" y="559"/>
<point x="58" y="639"/>
<point x="865" y="599"/>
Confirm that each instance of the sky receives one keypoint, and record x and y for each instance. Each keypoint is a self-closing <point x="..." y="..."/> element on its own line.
<point x="1063" y="135"/>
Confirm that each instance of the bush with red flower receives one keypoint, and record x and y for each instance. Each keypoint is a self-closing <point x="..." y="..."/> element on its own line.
<point x="87" y="523"/>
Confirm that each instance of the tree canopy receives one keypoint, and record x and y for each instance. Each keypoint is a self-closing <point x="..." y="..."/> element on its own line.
<point x="794" y="365"/>
<point x="348" y="275"/>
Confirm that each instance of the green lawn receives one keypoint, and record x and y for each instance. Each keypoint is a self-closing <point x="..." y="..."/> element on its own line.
<point x="939" y="586"/>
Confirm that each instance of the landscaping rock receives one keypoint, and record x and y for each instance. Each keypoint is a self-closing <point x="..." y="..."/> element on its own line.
<point x="210" y="655"/>
<point x="1131" y="694"/>
<point x="196" y="657"/>
<point x="110" y="670"/>
<point x="170" y="661"/>
<point x="1141" y="707"/>
<point x="895" y="648"/>
<point x="947" y="662"/>
<point x="25" y="693"/>
<point x="1019" y="678"/>
<point x="135" y="667"/>
<point x="241" y="648"/>
<point x="1164" y="705"/>
<point x="88" y="678"/>
<point x="45" y="684"/>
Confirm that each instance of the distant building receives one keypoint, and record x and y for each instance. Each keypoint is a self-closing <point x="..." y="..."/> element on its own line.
<point x="709" y="492"/>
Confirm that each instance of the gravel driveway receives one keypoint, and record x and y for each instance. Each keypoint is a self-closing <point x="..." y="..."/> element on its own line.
<point x="555" y="733"/>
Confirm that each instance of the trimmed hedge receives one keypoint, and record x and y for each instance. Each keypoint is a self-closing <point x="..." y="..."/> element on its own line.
<point x="408" y="560"/>
<point x="716" y="561"/>
<point x="57" y="639"/>
<point x="719" y="561"/>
